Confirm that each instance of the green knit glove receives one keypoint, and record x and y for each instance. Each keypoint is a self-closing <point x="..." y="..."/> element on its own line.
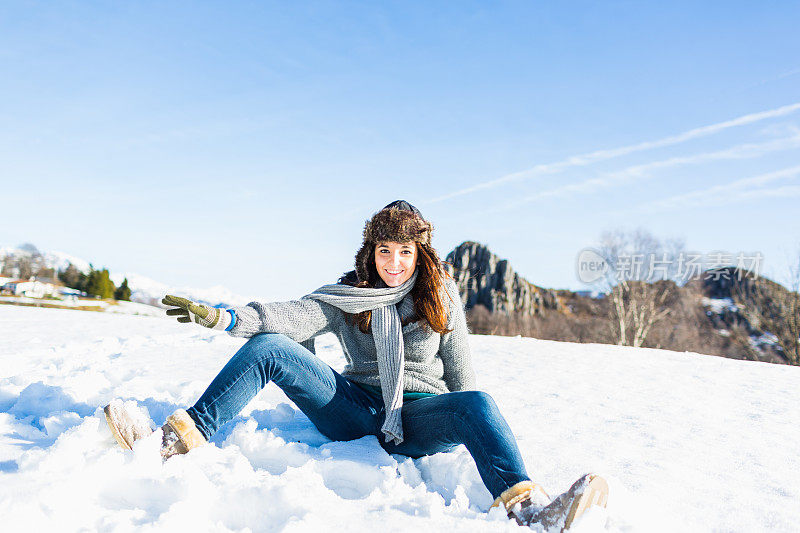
<point x="189" y="311"/>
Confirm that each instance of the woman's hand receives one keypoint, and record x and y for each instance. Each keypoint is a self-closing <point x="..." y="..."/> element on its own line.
<point x="189" y="311"/>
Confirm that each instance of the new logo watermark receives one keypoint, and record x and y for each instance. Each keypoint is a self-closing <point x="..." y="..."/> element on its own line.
<point x="592" y="265"/>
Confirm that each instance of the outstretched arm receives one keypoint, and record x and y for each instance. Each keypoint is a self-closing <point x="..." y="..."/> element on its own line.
<point x="454" y="346"/>
<point x="299" y="320"/>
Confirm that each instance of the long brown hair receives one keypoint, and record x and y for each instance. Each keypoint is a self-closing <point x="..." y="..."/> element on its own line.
<point x="429" y="292"/>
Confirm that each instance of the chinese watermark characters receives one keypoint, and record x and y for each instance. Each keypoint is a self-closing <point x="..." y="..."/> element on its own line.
<point x="592" y="266"/>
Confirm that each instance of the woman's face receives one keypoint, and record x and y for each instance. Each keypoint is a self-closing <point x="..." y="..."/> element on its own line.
<point x="395" y="261"/>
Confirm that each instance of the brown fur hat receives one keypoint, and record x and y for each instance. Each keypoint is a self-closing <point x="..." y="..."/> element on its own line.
<point x="397" y="222"/>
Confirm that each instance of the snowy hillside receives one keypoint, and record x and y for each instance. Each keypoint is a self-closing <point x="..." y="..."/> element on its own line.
<point x="688" y="442"/>
<point x="147" y="290"/>
<point x="144" y="289"/>
<point x="56" y="260"/>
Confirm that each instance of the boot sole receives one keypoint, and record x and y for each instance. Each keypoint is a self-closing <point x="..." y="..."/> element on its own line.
<point x="595" y="493"/>
<point x="114" y="431"/>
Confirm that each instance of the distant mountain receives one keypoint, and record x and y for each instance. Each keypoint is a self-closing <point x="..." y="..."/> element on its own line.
<point x="484" y="278"/>
<point x="147" y="290"/>
<point x="56" y="260"/>
<point x="761" y="315"/>
<point x="721" y="314"/>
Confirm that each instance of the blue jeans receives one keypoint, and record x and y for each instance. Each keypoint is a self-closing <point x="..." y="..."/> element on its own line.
<point x="342" y="410"/>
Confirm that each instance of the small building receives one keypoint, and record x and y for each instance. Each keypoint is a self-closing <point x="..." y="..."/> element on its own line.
<point x="31" y="288"/>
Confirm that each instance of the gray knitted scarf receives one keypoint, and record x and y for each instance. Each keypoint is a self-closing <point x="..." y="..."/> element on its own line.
<point x="388" y="336"/>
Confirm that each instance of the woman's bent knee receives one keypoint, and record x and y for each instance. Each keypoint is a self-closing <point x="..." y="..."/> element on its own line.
<point x="260" y="349"/>
<point x="266" y="343"/>
<point x="262" y="339"/>
<point x="477" y="398"/>
<point x="477" y="404"/>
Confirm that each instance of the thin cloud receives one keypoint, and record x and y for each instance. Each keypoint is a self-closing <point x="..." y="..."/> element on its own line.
<point x="603" y="155"/>
<point x="742" y="189"/>
<point x="781" y="76"/>
<point x="788" y="191"/>
<point x="742" y="151"/>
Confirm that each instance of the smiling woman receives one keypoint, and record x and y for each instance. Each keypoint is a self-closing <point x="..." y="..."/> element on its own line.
<point x="411" y="386"/>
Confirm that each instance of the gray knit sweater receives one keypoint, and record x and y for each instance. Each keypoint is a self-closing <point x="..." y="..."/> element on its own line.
<point x="433" y="363"/>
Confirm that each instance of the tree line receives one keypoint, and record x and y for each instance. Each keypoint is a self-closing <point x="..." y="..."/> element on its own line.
<point x="95" y="283"/>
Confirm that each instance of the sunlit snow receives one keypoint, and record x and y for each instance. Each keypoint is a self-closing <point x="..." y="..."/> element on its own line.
<point x="687" y="441"/>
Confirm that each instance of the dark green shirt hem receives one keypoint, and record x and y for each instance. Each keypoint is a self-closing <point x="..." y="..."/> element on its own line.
<point x="407" y="396"/>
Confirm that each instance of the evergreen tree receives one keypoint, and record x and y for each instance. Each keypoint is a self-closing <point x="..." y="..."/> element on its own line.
<point x="99" y="284"/>
<point x="107" y="286"/>
<point x="73" y="278"/>
<point x="92" y="286"/>
<point x="123" y="292"/>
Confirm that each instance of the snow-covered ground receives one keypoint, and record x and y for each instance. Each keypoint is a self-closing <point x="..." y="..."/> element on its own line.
<point x="688" y="442"/>
<point x="119" y="306"/>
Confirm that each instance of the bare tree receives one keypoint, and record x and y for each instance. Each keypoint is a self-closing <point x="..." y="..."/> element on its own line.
<point x="18" y="266"/>
<point x="792" y="347"/>
<point x="640" y="281"/>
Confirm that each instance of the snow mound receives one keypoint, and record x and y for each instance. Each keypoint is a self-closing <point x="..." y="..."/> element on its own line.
<point x="687" y="442"/>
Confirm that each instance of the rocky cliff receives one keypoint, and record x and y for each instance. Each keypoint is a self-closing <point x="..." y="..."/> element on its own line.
<point x="483" y="278"/>
<point x="763" y="313"/>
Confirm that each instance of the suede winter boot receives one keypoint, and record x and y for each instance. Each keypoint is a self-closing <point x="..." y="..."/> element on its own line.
<point x="559" y="515"/>
<point x="126" y="426"/>
<point x="523" y="500"/>
<point x="179" y="433"/>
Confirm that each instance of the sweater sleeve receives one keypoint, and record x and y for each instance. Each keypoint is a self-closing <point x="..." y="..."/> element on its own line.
<point x="299" y="320"/>
<point x="454" y="346"/>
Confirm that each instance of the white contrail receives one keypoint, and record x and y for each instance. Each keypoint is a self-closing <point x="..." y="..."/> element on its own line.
<point x="788" y="191"/>
<point x="602" y="155"/>
<point x="742" y="151"/>
<point x="742" y="189"/>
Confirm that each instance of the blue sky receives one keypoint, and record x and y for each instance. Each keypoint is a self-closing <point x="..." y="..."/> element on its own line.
<point x="245" y="143"/>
